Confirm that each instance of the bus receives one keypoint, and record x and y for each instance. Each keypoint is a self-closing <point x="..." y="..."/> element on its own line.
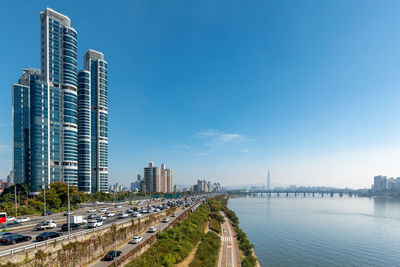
<point x="3" y="217"/>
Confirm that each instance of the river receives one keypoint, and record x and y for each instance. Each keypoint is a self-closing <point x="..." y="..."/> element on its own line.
<point x="321" y="231"/>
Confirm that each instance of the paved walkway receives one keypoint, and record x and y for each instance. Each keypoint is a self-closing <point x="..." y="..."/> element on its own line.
<point x="229" y="254"/>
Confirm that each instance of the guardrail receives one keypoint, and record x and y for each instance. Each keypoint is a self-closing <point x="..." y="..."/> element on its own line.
<point x="45" y="243"/>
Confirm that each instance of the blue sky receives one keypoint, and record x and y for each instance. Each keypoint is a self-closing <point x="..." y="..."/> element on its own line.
<point x="223" y="90"/>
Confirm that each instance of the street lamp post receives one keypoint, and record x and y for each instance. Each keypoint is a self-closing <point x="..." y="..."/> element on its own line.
<point x="69" y="214"/>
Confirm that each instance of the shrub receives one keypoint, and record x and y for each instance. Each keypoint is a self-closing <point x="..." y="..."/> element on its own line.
<point x="208" y="251"/>
<point x="215" y="225"/>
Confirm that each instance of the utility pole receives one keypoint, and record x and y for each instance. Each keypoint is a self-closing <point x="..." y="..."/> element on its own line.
<point x="115" y="255"/>
<point x="15" y="200"/>
<point x="69" y="215"/>
<point x="44" y="199"/>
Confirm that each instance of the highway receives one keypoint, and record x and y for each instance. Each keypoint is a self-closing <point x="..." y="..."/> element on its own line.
<point x="126" y="248"/>
<point x="61" y="219"/>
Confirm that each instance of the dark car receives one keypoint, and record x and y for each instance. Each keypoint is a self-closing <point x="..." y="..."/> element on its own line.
<point x="92" y="216"/>
<point x="47" y="213"/>
<point x="47" y="235"/>
<point x="112" y="255"/>
<point x="73" y="226"/>
<point x="13" y="239"/>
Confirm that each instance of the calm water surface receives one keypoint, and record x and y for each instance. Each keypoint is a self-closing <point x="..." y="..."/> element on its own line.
<point x="321" y="231"/>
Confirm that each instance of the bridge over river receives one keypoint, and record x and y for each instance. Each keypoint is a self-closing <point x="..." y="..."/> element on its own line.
<point x="297" y="193"/>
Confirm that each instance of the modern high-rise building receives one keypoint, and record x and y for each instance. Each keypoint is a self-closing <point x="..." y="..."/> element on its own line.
<point x="97" y="67"/>
<point x="152" y="178"/>
<point x="51" y="134"/>
<point x="84" y="132"/>
<point x="157" y="179"/>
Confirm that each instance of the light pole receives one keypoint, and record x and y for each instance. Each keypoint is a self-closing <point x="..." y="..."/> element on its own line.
<point x="44" y="199"/>
<point x="15" y="200"/>
<point x="69" y="215"/>
<point x="115" y="254"/>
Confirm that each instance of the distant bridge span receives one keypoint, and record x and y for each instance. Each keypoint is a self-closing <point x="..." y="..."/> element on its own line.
<point x="298" y="192"/>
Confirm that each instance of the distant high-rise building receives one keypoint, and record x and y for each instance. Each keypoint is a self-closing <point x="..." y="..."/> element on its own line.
<point x="269" y="181"/>
<point x="170" y="180"/>
<point x="152" y="178"/>
<point x="380" y="183"/>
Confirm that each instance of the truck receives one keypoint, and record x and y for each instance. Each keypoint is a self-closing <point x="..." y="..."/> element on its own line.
<point x="78" y="219"/>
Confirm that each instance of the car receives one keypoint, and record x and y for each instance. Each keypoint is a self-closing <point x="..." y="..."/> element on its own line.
<point x="92" y="216"/>
<point x="99" y="222"/>
<point x="122" y="215"/>
<point x="73" y="226"/>
<point x="47" y="235"/>
<point x="153" y="229"/>
<point x="5" y="234"/>
<point x="15" y="238"/>
<point x="136" y="240"/>
<point x="129" y="210"/>
<point x="47" y="213"/>
<point x="46" y="225"/>
<point x="92" y="224"/>
<point x="112" y="255"/>
<point x="11" y="219"/>
<point x="118" y="206"/>
<point x="91" y="210"/>
<point x="103" y="210"/>
<point x="23" y="219"/>
<point x="136" y="214"/>
<point x="109" y="214"/>
<point x="173" y="215"/>
<point x="103" y="217"/>
<point x="165" y="220"/>
<point x="68" y="213"/>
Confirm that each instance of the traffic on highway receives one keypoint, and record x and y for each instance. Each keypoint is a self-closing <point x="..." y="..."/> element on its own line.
<point x="43" y="228"/>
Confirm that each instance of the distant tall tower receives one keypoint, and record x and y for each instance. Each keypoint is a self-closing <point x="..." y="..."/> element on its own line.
<point x="269" y="181"/>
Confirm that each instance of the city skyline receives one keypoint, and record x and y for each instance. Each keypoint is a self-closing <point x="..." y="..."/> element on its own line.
<point x="226" y="91"/>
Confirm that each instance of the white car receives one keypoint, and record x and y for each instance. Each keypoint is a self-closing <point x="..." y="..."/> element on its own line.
<point x="122" y="215"/>
<point x="137" y="214"/>
<point x="165" y="220"/>
<point x="103" y="210"/>
<point x="118" y="206"/>
<point x="94" y="223"/>
<point x="10" y="219"/>
<point x="109" y="214"/>
<point x="153" y="229"/>
<point x="173" y="215"/>
<point x="103" y="217"/>
<point x="136" y="240"/>
<point x="91" y="210"/>
<point x="23" y="219"/>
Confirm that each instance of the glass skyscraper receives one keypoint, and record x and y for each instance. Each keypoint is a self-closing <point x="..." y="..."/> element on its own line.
<point x="56" y="115"/>
<point x="97" y="67"/>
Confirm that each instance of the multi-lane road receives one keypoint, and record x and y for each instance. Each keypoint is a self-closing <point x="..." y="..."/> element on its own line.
<point x="126" y="248"/>
<point x="28" y="227"/>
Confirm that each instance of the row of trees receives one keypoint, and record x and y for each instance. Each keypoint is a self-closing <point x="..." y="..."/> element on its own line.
<point x="16" y="201"/>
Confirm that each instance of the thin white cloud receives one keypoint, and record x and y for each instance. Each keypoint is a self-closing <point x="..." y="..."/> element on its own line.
<point x="219" y="140"/>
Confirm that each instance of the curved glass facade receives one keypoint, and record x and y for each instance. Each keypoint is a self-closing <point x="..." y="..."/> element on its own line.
<point x="84" y="162"/>
<point x="70" y="61"/>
